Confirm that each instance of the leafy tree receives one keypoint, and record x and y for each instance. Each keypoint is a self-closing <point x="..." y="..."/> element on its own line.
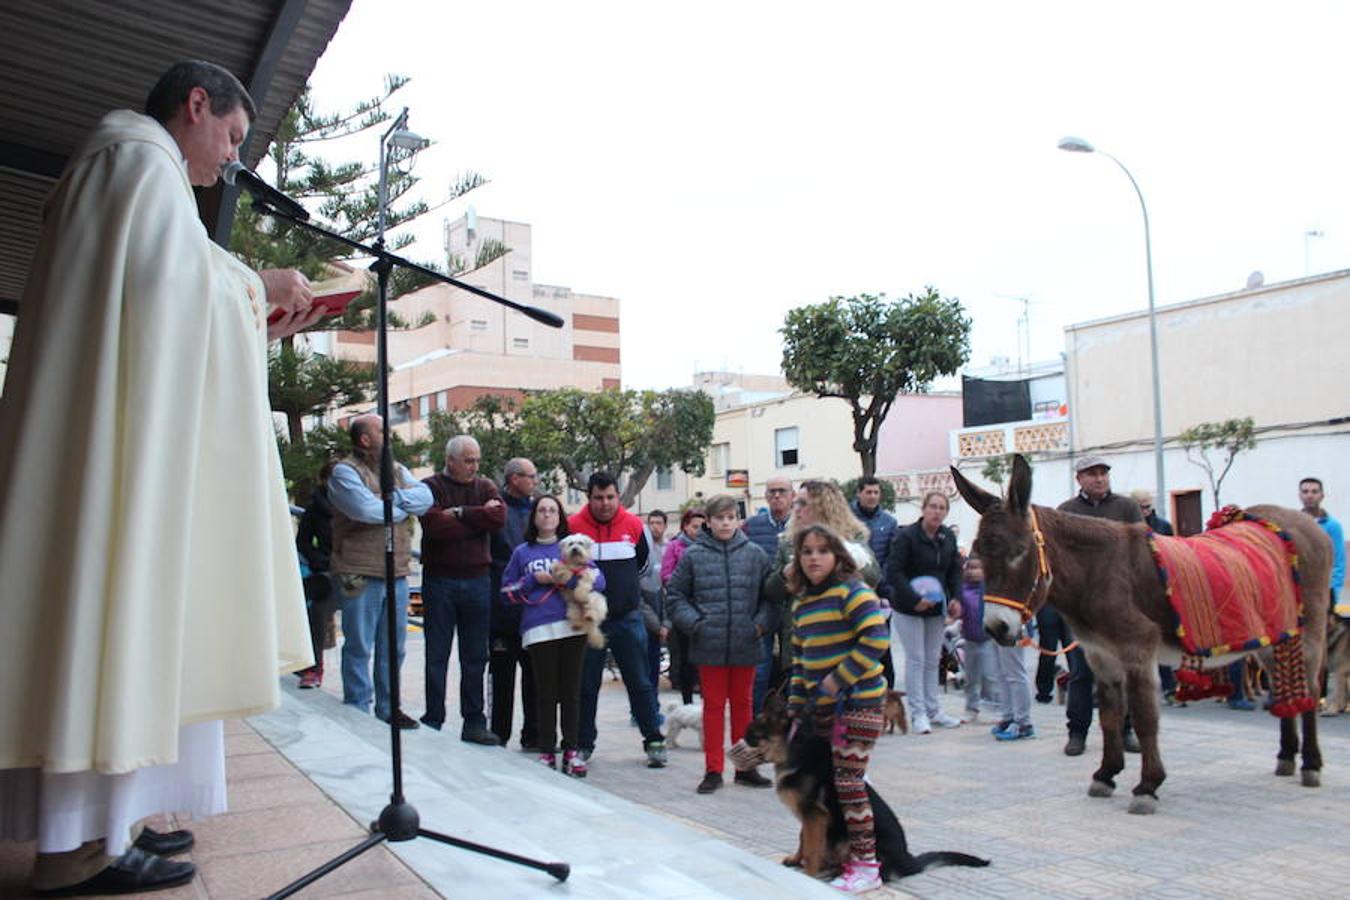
<point x="345" y="197"/>
<point x="1226" y="440"/>
<point x="866" y="350"/>
<point x="569" y="433"/>
<point x="996" y="468"/>
<point x="494" y="421"/>
<point x="629" y="434"/>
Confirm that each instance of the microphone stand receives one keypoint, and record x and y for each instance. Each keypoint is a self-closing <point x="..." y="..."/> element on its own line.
<point x="399" y="820"/>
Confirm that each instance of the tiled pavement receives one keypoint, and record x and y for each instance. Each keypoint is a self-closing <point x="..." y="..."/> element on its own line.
<point x="1226" y="827"/>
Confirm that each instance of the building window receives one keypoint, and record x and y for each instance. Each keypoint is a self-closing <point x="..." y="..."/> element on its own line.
<point x="442" y="399"/>
<point x="719" y="456"/>
<point x="785" y="447"/>
<point x="664" y="481"/>
<point x="520" y="274"/>
<point x="423" y="406"/>
<point x="520" y="343"/>
<point x="478" y="324"/>
<point x="398" y="412"/>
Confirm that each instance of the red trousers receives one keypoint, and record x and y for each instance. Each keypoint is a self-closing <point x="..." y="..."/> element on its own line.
<point x="720" y="685"/>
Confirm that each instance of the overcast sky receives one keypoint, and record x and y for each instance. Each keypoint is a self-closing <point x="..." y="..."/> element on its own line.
<point x="713" y="165"/>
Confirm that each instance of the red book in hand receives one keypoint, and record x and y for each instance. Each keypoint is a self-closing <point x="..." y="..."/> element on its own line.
<point x="333" y="295"/>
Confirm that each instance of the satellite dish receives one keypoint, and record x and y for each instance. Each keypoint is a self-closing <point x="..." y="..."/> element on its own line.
<point x="1255" y="280"/>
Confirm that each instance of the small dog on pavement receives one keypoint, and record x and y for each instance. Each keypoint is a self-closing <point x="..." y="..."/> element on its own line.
<point x="586" y="607"/>
<point x="893" y="712"/>
<point x="680" y="716"/>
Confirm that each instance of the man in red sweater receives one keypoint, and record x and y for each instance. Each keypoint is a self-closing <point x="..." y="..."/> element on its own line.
<point x="621" y="550"/>
<point x="456" y="589"/>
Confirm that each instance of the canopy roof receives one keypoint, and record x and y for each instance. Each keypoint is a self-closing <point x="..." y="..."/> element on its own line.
<point x="66" y="64"/>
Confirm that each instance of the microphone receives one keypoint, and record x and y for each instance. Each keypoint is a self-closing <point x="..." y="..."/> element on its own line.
<point x="237" y="174"/>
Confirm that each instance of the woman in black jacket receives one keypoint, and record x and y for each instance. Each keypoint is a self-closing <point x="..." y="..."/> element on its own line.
<point x="925" y="548"/>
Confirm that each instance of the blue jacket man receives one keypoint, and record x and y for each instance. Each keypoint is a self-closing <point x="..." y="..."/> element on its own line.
<point x="881" y="525"/>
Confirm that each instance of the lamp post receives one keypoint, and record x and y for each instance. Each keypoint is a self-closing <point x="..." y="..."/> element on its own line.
<point x="1078" y="145"/>
<point x="398" y="136"/>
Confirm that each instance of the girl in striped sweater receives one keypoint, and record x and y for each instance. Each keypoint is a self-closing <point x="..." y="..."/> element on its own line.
<point x="839" y="639"/>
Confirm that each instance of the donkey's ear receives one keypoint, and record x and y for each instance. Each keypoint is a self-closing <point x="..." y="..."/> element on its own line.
<point x="1019" y="486"/>
<point x="978" y="498"/>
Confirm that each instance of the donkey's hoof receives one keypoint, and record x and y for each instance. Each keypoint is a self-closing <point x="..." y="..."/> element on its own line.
<point x="1143" y="805"/>
<point x="1100" y="789"/>
<point x="1312" y="778"/>
<point x="1284" y="767"/>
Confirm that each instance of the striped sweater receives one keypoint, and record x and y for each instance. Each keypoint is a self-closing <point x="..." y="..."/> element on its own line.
<point x="839" y="630"/>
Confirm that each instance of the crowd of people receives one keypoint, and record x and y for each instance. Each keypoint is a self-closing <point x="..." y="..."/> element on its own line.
<point x="809" y="595"/>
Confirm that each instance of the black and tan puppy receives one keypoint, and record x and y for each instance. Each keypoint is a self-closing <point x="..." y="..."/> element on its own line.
<point x="804" y="779"/>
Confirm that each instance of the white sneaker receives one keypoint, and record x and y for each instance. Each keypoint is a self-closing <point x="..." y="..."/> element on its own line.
<point x="942" y="720"/>
<point x="919" y="725"/>
<point x="858" y="877"/>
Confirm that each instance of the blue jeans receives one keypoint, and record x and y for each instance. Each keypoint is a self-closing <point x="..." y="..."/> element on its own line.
<point x="763" y="671"/>
<point x="627" y="638"/>
<point x="363" y="629"/>
<point x="450" y="605"/>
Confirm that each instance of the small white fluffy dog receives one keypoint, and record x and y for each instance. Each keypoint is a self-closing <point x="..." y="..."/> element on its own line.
<point x="586" y="607"/>
<point x="682" y="716"/>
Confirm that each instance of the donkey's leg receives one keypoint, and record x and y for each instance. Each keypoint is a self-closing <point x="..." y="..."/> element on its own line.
<point x="1284" y="761"/>
<point x="1142" y="692"/>
<point x="1312" y="753"/>
<point x="1111" y="712"/>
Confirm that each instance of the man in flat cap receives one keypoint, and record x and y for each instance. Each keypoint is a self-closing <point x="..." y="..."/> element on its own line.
<point x="1094" y="498"/>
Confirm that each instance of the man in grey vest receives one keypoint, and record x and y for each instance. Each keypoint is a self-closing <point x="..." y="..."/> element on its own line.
<point x="358" y="564"/>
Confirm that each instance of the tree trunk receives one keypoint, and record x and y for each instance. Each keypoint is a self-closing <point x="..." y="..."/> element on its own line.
<point x="637" y="480"/>
<point x="865" y="447"/>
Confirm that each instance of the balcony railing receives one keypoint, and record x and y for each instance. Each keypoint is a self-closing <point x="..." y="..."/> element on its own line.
<point x="1010" y="437"/>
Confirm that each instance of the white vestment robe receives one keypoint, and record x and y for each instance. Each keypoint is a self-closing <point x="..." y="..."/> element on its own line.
<point x="148" y="575"/>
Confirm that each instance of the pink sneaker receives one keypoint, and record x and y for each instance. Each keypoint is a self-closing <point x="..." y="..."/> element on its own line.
<point x="548" y="759"/>
<point x="311" y="678"/>
<point x="574" y="764"/>
<point x="858" y="876"/>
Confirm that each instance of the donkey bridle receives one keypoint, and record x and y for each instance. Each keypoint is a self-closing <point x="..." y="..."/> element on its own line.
<point x="1043" y="577"/>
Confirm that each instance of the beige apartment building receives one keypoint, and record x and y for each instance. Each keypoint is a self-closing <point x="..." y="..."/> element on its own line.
<point x="1276" y="353"/>
<point x="474" y="346"/>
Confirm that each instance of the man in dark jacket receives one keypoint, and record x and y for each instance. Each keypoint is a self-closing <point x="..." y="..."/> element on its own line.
<point x="314" y="541"/>
<point x="881" y="528"/>
<point x="506" y="653"/>
<point x="1095" y="499"/>
<point x="765" y="528"/>
<point x="1151" y="518"/>
<point x="621" y="552"/>
<point x="456" y="559"/>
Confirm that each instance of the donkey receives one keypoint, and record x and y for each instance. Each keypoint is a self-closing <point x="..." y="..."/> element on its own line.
<point x="1102" y="579"/>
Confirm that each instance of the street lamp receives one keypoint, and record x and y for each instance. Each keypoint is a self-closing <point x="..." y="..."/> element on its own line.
<point x="1078" y="145"/>
<point x="400" y="137"/>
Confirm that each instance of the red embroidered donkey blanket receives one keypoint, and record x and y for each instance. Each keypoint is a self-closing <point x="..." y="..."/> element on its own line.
<point x="1233" y="588"/>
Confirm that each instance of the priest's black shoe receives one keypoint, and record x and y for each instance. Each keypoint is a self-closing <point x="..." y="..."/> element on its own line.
<point x="162" y="844"/>
<point x="480" y="736"/>
<point x="133" y="872"/>
<point x="752" y="778"/>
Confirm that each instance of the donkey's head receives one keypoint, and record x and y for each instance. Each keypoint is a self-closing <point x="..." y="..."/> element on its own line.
<point x="1016" y="574"/>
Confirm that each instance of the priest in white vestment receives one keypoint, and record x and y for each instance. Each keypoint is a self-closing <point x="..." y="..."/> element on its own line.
<point x="148" y="580"/>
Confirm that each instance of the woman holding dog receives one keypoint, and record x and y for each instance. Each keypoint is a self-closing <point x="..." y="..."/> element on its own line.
<point x="556" y="649"/>
<point x="838" y="641"/>
<point x="716" y="596"/>
<point x="925" y="548"/>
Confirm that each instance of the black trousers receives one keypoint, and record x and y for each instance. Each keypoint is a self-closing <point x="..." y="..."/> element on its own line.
<point x="556" y="679"/>
<point x="322" y="601"/>
<point x="504" y="656"/>
<point x="683" y="673"/>
<point x="1053" y="633"/>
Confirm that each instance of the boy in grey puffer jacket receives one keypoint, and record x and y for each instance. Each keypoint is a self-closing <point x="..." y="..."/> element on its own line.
<point x="716" y="596"/>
